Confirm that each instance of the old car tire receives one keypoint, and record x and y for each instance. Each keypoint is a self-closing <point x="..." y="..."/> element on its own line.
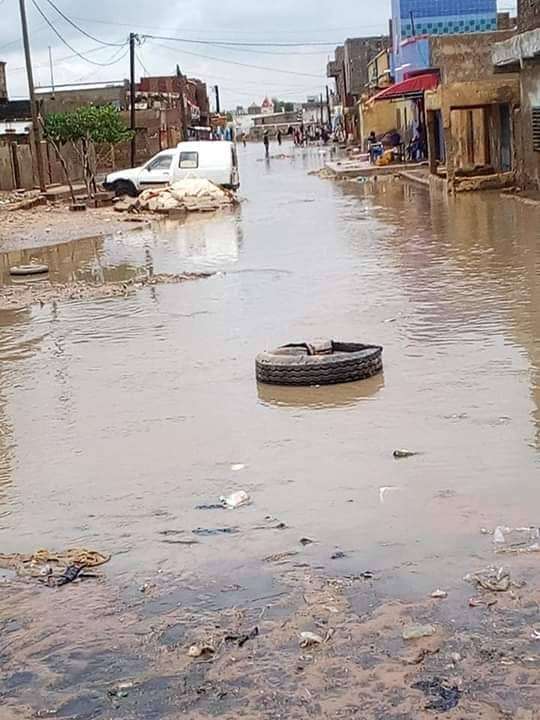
<point x="23" y="270"/>
<point x="294" y="365"/>
<point x="124" y="187"/>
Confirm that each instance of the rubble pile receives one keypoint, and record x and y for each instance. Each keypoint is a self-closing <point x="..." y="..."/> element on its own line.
<point x="189" y="195"/>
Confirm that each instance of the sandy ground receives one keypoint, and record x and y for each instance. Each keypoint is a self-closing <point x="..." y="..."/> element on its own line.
<point x="52" y="224"/>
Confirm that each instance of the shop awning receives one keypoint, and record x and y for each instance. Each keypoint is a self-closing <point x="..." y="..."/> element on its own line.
<point x="410" y="88"/>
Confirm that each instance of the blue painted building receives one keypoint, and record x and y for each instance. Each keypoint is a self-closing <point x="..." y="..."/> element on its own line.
<point x="413" y="21"/>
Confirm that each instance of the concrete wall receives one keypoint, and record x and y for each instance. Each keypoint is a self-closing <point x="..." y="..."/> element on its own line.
<point x="528" y="15"/>
<point x="528" y="160"/>
<point x="67" y="100"/>
<point x="358" y="53"/>
<point x="463" y="58"/>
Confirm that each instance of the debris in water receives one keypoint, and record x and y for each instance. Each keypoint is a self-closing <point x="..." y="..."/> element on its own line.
<point x="443" y="697"/>
<point x="214" y="506"/>
<point x="201" y="649"/>
<point x="237" y="467"/>
<point x="415" y="632"/>
<point x="206" y="532"/>
<point x="339" y="555"/>
<point x="306" y="541"/>
<point x="399" y="454"/>
<point x="278" y="557"/>
<point x="475" y="602"/>
<point x="243" y="638"/>
<point x="236" y="500"/>
<point x="493" y="579"/>
<point x="439" y="594"/>
<point x="71" y="574"/>
<point x="121" y="690"/>
<point x="517" y="540"/>
<point x="384" y="490"/>
<point x="308" y="639"/>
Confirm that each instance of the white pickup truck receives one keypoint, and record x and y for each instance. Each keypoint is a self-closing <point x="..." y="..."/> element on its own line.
<point x="216" y="161"/>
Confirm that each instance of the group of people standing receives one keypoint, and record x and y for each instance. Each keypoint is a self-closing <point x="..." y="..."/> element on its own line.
<point x="301" y="136"/>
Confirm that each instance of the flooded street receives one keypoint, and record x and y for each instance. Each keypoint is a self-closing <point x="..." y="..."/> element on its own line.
<point x="119" y="417"/>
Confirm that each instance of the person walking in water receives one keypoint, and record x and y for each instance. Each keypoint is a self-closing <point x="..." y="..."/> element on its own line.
<point x="279" y="136"/>
<point x="266" y="141"/>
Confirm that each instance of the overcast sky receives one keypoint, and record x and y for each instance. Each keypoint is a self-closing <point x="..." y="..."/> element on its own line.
<point x="110" y="21"/>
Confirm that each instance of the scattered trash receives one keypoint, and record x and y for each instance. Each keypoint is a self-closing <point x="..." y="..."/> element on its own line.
<point x="280" y="526"/>
<point x="415" y="632"/>
<point x="121" y="690"/>
<point x="517" y="540"/>
<point x="493" y="579"/>
<point x="201" y="649"/>
<point x="366" y="575"/>
<point x="339" y="555"/>
<point x="171" y="541"/>
<point x="243" y="638"/>
<point x="306" y="541"/>
<point x="455" y="657"/>
<point x="236" y="500"/>
<point x="278" y="557"/>
<point x="443" y="697"/>
<point x="399" y="454"/>
<point x="54" y="569"/>
<point x="536" y="635"/>
<point x="384" y="490"/>
<point x="439" y="594"/>
<point x="213" y="506"/>
<point x="237" y="467"/>
<point x="421" y="655"/>
<point x="206" y="532"/>
<point x="475" y="602"/>
<point x="308" y="639"/>
<point x="71" y="574"/>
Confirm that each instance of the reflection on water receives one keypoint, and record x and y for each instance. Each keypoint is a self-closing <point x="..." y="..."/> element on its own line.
<point x="121" y="416"/>
<point x="320" y="398"/>
<point x="199" y="243"/>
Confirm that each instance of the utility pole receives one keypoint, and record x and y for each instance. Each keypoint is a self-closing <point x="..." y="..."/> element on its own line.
<point x="182" y="102"/>
<point x="132" y="122"/>
<point x="36" y="127"/>
<point x="413" y="27"/>
<point x="328" y="105"/>
<point x="218" y="104"/>
<point x="52" y="69"/>
<point x="322" y="111"/>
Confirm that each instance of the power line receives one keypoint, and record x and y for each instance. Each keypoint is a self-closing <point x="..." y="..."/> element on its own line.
<point x="68" y="20"/>
<point x="139" y="59"/>
<point x="62" y="39"/>
<point x="228" y="43"/>
<point x="235" y="62"/>
<point x="63" y="59"/>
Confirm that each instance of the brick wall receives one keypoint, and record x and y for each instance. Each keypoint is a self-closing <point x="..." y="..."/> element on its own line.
<point x="528" y="15"/>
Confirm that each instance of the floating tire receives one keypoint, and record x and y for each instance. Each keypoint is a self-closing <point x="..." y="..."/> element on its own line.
<point x="25" y="270"/>
<point x="304" y="364"/>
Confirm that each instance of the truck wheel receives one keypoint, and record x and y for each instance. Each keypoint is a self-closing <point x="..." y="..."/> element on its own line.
<point x="124" y="187"/>
<point x="304" y="365"/>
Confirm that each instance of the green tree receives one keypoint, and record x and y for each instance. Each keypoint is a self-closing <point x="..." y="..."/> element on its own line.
<point x="92" y="132"/>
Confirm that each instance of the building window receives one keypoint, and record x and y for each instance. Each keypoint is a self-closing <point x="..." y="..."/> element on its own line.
<point x="189" y="160"/>
<point x="536" y="128"/>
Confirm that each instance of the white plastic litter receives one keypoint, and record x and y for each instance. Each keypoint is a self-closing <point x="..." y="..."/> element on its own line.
<point x="236" y="500"/>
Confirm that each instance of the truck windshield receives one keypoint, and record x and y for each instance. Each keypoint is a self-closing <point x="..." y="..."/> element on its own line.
<point x="163" y="162"/>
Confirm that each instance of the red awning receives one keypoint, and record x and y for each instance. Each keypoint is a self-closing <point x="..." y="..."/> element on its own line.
<point x="412" y="87"/>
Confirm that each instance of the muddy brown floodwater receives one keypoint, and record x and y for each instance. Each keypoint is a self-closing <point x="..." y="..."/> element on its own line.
<point x="119" y="417"/>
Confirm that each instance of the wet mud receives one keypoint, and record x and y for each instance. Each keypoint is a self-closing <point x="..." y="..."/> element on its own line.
<point x="120" y="419"/>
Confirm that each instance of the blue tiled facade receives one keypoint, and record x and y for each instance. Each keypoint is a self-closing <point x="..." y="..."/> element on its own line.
<point x="416" y="18"/>
<point x="442" y="17"/>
